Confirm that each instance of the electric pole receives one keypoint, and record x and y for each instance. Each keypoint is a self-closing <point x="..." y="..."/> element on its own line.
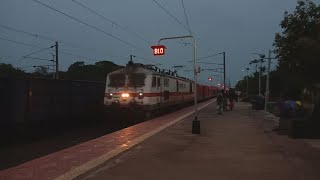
<point x="57" y="62"/>
<point x="224" y="72"/>
<point x="260" y="80"/>
<point x="247" y="85"/>
<point x="267" y="85"/>
<point x="262" y="56"/>
<point x="247" y="69"/>
<point x="53" y="74"/>
<point x="131" y="56"/>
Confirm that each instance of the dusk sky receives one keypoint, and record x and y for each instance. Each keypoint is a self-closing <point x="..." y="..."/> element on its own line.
<point x="238" y="27"/>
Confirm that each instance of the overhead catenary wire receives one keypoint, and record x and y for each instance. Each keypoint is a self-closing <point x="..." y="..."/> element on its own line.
<point x="210" y="63"/>
<point x="185" y="15"/>
<point x="177" y="20"/>
<point x="40" y="59"/>
<point x="111" y="21"/>
<point x="188" y="74"/>
<point x="46" y="65"/>
<point x="71" y="44"/>
<point x="62" y="52"/>
<point x="45" y="49"/>
<point x="48" y="38"/>
<point x="147" y="60"/>
<point x="211" y="69"/>
<point x="25" y="32"/>
<point x="82" y="22"/>
<point x="21" y="43"/>
<point x="89" y="25"/>
<point x="208" y="56"/>
<point x="37" y="35"/>
<point x="25" y="44"/>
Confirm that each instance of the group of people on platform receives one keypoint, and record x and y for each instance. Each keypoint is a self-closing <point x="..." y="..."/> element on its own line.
<point x="225" y="100"/>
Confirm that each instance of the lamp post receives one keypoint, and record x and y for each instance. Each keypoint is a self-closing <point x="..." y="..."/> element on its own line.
<point x="224" y="71"/>
<point x="267" y="85"/>
<point x="195" y="122"/>
<point x="262" y="56"/>
<point x="247" y="78"/>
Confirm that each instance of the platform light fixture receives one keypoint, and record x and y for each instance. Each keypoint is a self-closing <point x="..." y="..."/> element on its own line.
<point x="157" y="51"/>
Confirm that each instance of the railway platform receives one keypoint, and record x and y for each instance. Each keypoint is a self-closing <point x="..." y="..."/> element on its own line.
<point x="239" y="144"/>
<point x="72" y="162"/>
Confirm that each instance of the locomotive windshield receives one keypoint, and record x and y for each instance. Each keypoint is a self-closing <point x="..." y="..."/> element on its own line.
<point x="136" y="80"/>
<point x="117" y="80"/>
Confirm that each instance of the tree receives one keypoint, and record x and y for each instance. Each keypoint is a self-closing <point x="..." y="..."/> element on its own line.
<point x="41" y="70"/>
<point x="97" y="72"/>
<point x="241" y="85"/>
<point x="76" y="71"/>
<point x="76" y="66"/>
<point x="298" y="46"/>
<point x="253" y="80"/>
<point x="7" y="70"/>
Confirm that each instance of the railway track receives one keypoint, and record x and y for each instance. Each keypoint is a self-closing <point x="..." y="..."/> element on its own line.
<point x="37" y="141"/>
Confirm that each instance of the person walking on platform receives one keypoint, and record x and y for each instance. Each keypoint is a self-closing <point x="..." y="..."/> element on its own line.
<point x="232" y="98"/>
<point x="225" y="101"/>
<point x="220" y="102"/>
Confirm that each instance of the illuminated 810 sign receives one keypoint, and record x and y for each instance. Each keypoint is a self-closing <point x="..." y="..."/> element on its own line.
<point x="158" y="50"/>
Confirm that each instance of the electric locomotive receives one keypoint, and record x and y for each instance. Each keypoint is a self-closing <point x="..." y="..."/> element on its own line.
<point x="149" y="88"/>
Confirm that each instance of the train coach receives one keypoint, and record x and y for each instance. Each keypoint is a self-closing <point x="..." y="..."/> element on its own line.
<point x="149" y="88"/>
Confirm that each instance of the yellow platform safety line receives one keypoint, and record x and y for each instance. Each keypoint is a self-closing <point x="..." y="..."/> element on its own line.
<point x="105" y="157"/>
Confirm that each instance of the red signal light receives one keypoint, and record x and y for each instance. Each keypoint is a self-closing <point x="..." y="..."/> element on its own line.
<point x="210" y="79"/>
<point x="158" y="50"/>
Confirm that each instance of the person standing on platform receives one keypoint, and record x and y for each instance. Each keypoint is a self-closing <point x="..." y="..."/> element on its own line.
<point x="220" y="102"/>
<point x="225" y="101"/>
<point x="232" y="98"/>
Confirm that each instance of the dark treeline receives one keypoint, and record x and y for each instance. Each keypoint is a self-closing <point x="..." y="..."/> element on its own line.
<point x="297" y="49"/>
<point x="76" y="71"/>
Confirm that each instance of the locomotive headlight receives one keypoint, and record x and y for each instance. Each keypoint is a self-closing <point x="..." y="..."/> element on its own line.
<point x="140" y="95"/>
<point x="125" y="95"/>
<point x="109" y="95"/>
